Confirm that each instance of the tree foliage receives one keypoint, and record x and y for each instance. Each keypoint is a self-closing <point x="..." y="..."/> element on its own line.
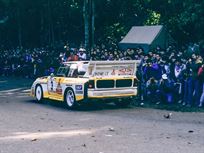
<point x="44" y="22"/>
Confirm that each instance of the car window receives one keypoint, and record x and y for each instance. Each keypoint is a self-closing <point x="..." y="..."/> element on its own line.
<point x="63" y="71"/>
<point x="72" y="70"/>
<point x="72" y="73"/>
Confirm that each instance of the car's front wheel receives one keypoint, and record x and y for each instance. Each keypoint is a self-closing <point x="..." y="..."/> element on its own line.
<point x="39" y="93"/>
<point x="70" y="99"/>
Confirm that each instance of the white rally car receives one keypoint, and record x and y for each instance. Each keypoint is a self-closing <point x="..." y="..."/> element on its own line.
<point x="79" y="82"/>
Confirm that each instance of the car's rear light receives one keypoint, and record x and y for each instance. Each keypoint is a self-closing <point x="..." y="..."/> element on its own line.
<point x="135" y="83"/>
<point x="91" y="84"/>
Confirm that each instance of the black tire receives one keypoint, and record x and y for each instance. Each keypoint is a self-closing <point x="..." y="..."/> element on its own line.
<point x="70" y="99"/>
<point x="39" y="93"/>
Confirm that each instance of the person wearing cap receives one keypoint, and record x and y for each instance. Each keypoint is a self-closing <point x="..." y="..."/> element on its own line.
<point x="82" y="54"/>
<point x="166" y="89"/>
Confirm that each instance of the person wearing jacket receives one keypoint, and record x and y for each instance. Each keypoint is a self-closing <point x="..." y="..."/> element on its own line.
<point x="153" y="92"/>
<point x="177" y="76"/>
<point x="201" y="78"/>
<point x="193" y="84"/>
<point x="166" y="89"/>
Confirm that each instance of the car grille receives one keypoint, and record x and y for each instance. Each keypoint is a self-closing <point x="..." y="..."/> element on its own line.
<point x="122" y="83"/>
<point x="105" y="84"/>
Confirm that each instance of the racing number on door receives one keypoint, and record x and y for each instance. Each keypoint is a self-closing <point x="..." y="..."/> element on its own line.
<point x="51" y="84"/>
<point x="54" y="85"/>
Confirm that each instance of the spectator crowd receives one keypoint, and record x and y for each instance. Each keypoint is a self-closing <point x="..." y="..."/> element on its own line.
<point x="168" y="75"/>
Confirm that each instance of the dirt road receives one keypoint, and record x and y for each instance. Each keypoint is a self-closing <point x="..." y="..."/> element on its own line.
<point x="28" y="127"/>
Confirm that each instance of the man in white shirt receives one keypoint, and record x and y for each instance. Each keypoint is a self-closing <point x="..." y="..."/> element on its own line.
<point x="82" y="54"/>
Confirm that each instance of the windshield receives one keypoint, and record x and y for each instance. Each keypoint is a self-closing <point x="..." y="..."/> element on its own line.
<point x="72" y="70"/>
<point x="63" y="71"/>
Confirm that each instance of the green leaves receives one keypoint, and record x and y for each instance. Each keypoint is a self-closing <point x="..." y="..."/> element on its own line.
<point x="153" y="18"/>
<point x="184" y="19"/>
<point x="115" y="32"/>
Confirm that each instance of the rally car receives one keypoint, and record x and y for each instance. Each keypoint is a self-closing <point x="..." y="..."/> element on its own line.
<point x="82" y="81"/>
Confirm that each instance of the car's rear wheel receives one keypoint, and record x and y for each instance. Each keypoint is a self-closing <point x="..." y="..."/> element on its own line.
<point x="39" y="93"/>
<point x="70" y="99"/>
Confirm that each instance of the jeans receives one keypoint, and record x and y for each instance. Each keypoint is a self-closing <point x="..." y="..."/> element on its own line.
<point x="192" y="87"/>
<point x="202" y="97"/>
<point x="167" y="97"/>
<point x="185" y="96"/>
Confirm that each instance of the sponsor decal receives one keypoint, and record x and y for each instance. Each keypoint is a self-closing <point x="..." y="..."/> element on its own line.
<point x="79" y="92"/>
<point x="78" y="87"/>
<point x="125" y="71"/>
<point x="59" y="88"/>
<point x="115" y="71"/>
<point x="101" y="74"/>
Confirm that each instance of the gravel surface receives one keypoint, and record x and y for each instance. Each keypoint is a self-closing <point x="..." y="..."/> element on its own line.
<point x="29" y="127"/>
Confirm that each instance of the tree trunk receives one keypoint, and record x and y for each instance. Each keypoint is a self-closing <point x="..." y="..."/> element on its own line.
<point x="51" y="26"/>
<point x="19" y="29"/>
<point x="42" y="22"/>
<point x="86" y="23"/>
<point x="92" y="23"/>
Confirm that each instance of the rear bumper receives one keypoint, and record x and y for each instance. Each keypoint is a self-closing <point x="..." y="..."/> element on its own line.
<point x="113" y="93"/>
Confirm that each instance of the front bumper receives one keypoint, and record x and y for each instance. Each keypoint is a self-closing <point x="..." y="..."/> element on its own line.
<point x="32" y="92"/>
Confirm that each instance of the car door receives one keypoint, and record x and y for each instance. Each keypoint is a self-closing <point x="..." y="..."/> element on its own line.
<point x="55" y="86"/>
<point x="51" y="85"/>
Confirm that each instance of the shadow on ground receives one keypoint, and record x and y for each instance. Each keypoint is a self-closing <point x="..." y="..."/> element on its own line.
<point x="100" y="106"/>
<point x="93" y="106"/>
<point x="19" y="88"/>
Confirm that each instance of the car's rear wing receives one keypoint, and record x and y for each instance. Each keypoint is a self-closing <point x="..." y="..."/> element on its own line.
<point x="112" y="68"/>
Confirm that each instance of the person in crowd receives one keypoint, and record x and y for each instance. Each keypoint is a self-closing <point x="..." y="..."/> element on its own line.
<point x="153" y="90"/>
<point x="166" y="89"/>
<point x="73" y="56"/>
<point x="156" y="70"/>
<point x="201" y="79"/>
<point x="175" y="73"/>
<point x="82" y="54"/>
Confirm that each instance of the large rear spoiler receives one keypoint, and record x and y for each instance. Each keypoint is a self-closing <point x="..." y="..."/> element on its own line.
<point x="112" y="68"/>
